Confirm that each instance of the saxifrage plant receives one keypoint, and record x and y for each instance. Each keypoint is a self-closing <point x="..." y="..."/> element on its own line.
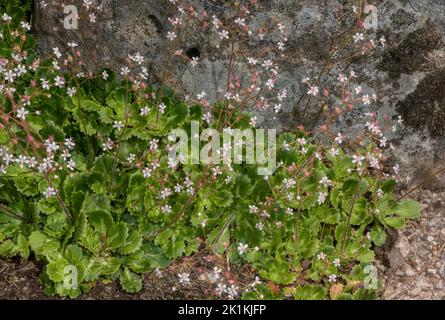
<point x="88" y="188"/>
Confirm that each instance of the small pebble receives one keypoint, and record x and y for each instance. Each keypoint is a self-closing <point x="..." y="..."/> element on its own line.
<point x="416" y="291"/>
<point x="410" y="272"/>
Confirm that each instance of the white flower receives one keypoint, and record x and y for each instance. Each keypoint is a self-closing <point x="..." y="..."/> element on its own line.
<point x="382" y="41"/>
<point x="45" y="83"/>
<point x="321" y="256"/>
<point x="171" y="36"/>
<point x="166" y="209"/>
<point x="242" y="248"/>
<point x="289" y="211"/>
<point x="270" y="83"/>
<point x="71" y="165"/>
<point x="396" y="169"/>
<point x="207" y="117"/>
<point x="337" y="262"/>
<point x="87" y="3"/>
<point x="358" y="37"/>
<point x="154" y="145"/>
<point x="194" y="61"/>
<point x="221" y="289"/>
<point x="201" y="95"/>
<point x="379" y="193"/>
<point x="259" y="226"/>
<point x="49" y="192"/>
<point x="105" y="75"/>
<point x="267" y="64"/>
<point x="21" y="113"/>
<point x="240" y="22"/>
<point x="131" y="157"/>
<point x="366" y="99"/>
<point x="224" y="34"/>
<point x="146" y="172"/>
<point x="277" y="108"/>
<point x="69" y="143"/>
<point x="144" y="111"/>
<point x="51" y="146"/>
<point x="325" y="181"/>
<point x="71" y="91"/>
<point x="332" y="278"/>
<point x="286" y="145"/>
<point x="334" y="152"/>
<point x="383" y="142"/>
<point x="313" y="90"/>
<point x="252" y="122"/>
<point x="301" y="141"/>
<point x="252" y="61"/>
<point x="162" y="108"/>
<point x="22" y="160"/>
<point x="108" y="145"/>
<point x="342" y="77"/>
<point x="322" y="197"/>
<point x="357" y="159"/>
<point x="6" y="18"/>
<point x="138" y="58"/>
<point x="92" y="18"/>
<point x="118" y="125"/>
<point x="125" y="71"/>
<point x="184" y="278"/>
<point x="59" y="81"/>
<point x="339" y="138"/>
<point x="253" y="209"/>
<point x="289" y="183"/>
<point x="57" y="53"/>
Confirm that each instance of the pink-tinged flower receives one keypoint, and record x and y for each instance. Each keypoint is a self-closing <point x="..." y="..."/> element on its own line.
<point x="313" y="90"/>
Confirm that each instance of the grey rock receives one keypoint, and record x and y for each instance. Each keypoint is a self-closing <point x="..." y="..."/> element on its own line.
<point x="399" y="252"/>
<point x="408" y="76"/>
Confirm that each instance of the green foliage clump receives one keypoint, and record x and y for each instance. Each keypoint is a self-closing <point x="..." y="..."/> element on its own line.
<point x="86" y="187"/>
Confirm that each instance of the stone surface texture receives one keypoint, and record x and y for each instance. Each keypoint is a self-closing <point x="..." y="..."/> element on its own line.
<point x="407" y="76"/>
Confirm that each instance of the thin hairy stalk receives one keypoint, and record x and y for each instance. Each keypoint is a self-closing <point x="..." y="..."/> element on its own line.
<point x="10" y="212"/>
<point x="421" y="183"/>
<point x="221" y="232"/>
<point x="348" y="222"/>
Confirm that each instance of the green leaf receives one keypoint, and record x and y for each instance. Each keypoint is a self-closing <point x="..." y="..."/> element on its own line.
<point x="395" y="222"/>
<point x="132" y="244"/>
<point x="310" y="292"/>
<point x="378" y="236"/>
<point x="130" y="281"/>
<point x="222" y="198"/>
<point x="6" y="248"/>
<point x="101" y="220"/>
<point x="22" y="246"/>
<point x="96" y="202"/>
<point x="117" y="235"/>
<point x="409" y="209"/>
<point x="278" y="272"/>
<point x="327" y="215"/>
<point x="56" y="269"/>
<point x="109" y="266"/>
<point x="36" y="240"/>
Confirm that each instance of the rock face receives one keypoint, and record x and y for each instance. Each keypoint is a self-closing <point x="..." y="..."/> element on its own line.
<point x="408" y="76"/>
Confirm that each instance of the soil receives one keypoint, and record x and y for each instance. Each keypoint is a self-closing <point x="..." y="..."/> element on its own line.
<point x="19" y="281"/>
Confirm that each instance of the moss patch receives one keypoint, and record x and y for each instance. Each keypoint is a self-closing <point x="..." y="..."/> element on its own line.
<point x="425" y="107"/>
<point x="410" y="55"/>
